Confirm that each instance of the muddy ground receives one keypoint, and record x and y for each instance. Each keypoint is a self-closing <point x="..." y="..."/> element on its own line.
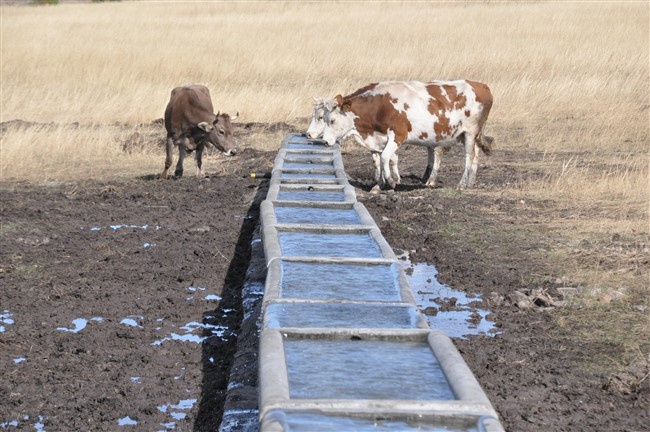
<point x="153" y="268"/>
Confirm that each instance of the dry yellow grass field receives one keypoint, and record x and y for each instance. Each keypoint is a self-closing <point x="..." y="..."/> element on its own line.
<point x="570" y="80"/>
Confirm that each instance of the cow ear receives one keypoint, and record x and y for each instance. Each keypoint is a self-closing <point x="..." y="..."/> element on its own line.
<point x="205" y="126"/>
<point x="235" y="116"/>
<point x="339" y="100"/>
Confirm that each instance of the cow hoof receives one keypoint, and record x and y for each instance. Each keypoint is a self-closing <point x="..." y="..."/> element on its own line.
<point x="376" y="190"/>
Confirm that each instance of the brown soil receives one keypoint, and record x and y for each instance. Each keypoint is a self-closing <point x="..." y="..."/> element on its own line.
<point x="186" y="239"/>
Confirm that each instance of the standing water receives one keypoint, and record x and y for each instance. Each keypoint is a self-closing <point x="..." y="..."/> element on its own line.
<point x="447" y="309"/>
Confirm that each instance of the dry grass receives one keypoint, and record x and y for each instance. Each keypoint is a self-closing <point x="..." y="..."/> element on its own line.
<point x="569" y="79"/>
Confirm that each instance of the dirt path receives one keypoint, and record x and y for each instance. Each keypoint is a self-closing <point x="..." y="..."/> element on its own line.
<point x="120" y="302"/>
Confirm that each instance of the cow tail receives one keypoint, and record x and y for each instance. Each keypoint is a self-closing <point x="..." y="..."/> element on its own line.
<point x="485" y="143"/>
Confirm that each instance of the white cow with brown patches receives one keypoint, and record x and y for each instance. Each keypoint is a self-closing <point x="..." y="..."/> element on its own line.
<point x="317" y="126"/>
<point x="437" y="114"/>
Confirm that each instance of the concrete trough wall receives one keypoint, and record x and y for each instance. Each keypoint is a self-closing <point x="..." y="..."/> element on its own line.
<point x="343" y="346"/>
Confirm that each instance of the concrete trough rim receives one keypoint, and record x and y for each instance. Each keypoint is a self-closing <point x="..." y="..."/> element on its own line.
<point x="277" y="395"/>
<point x="485" y="423"/>
<point x="420" y="322"/>
<point x="273" y="290"/>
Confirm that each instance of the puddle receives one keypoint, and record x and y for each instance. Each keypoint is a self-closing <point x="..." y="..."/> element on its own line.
<point x="307" y="422"/>
<point x="324" y="315"/>
<point x="314" y="215"/>
<point x="5" y="320"/>
<point x="353" y="369"/>
<point x="360" y="245"/>
<point x="311" y="195"/>
<point x="446" y="309"/>
<point x="303" y="280"/>
<point x="20" y="360"/>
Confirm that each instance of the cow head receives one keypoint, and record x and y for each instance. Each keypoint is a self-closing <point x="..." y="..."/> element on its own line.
<point x="338" y="120"/>
<point x="316" y="126"/>
<point x="219" y="133"/>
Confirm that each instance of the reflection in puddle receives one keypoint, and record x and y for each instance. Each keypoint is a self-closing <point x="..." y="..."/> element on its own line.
<point x="452" y="311"/>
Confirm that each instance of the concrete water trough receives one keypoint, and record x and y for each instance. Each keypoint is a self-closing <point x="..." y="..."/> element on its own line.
<point x="342" y="344"/>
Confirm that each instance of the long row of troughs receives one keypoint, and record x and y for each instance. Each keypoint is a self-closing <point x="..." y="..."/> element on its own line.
<point x="343" y="346"/>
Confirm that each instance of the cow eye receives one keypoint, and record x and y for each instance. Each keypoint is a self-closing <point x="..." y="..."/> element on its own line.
<point x="221" y="132"/>
<point x="320" y="118"/>
<point x="331" y="121"/>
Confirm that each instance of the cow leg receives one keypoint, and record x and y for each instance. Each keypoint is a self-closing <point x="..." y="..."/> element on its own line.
<point x="471" y="162"/>
<point x="376" y="160"/>
<point x="386" y="156"/>
<point x="181" y="157"/>
<point x="437" y="159"/>
<point x="199" y="160"/>
<point x="430" y="162"/>
<point x="474" y="169"/>
<point x="394" y="169"/>
<point x="169" y="148"/>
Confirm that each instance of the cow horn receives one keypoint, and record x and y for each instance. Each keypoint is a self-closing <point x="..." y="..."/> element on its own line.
<point x="235" y="116"/>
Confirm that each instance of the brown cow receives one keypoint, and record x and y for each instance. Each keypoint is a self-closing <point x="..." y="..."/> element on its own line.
<point x="191" y="123"/>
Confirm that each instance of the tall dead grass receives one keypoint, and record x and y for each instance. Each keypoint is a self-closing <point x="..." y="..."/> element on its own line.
<point x="570" y="77"/>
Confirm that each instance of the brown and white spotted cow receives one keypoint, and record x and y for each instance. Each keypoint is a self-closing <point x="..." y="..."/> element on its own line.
<point x="436" y="114"/>
<point x="317" y="126"/>
<point x="191" y="123"/>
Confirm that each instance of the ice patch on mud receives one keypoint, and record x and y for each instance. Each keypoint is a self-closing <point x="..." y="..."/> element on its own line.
<point x="173" y="410"/>
<point x="5" y="318"/>
<point x="126" y="421"/>
<point x="131" y="321"/>
<point x="452" y="311"/>
<point x="189" y="336"/>
<point x="79" y="324"/>
<point x="38" y="426"/>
